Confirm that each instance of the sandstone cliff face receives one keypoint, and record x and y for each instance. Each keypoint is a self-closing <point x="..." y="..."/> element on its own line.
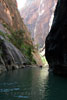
<point x="37" y="15"/>
<point x="10" y="20"/>
<point x="13" y="34"/>
<point x="56" y="41"/>
<point x="9" y="15"/>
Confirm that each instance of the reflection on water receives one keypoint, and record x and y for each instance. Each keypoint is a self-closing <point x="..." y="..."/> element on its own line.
<point x="32" y="84"/>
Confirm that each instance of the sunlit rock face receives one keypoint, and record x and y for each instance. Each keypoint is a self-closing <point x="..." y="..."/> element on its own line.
<point x="10" y="20"/>
<point x="8" y="10"/>
<point x="56" y="41"/>
<point x="37" y="15"/>
<point x="10" y="17"/>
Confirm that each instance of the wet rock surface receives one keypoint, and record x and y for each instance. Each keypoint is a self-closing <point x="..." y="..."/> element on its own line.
<point x="10" y="57"/>
<point x="56" y="41"/>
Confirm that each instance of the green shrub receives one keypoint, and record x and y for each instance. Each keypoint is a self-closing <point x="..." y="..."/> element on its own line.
<point x="17" y="38"/>
<point x="3" y="34"/>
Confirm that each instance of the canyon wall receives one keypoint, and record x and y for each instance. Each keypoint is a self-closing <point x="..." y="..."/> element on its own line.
<point x="16" y="46"/>
<point x="56" y="41"/>
<point x="10" y="17"/>
<point x="37" y="15"/>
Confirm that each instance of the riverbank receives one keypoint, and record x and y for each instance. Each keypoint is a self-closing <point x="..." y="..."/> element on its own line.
<point x="3" y="68"/>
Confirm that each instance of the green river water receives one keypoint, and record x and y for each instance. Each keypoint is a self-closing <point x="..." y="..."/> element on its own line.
<point x="32" y="84"/>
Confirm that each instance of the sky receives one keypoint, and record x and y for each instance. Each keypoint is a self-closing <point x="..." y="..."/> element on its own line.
<point x="21" y="3"/>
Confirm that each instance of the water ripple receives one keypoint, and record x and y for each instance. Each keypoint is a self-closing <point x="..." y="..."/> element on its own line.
<point x="9" y="90"/>
<point x="8" y="84"/>
<point x="22" y="96"/>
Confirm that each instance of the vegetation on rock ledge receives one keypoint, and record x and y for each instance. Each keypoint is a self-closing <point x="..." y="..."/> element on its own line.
<point x="17" y="38"/>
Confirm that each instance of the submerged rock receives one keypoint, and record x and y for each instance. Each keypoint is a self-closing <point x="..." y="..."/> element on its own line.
<point x="56" y="41"/>
<point x="10" y="57"/>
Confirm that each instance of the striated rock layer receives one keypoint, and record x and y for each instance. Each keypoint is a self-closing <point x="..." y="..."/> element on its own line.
<point x="56" y="41"/>
<point x="37" y="15"/>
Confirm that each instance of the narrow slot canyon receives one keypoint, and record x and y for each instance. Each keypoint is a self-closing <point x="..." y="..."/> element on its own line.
<point x="33" y="49"/>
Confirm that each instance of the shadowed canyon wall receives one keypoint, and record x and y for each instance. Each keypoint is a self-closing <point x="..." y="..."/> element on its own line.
<point x="56" y="41"/>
